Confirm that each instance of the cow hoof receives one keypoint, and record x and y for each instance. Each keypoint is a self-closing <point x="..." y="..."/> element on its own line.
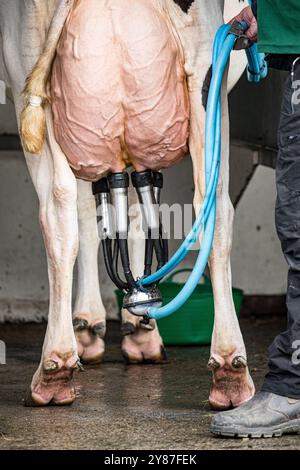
<point x="213" y="364"/>
<point x="99" y="329"/>
<point x="89" y="337"/>
<point x="127" y="328"/>
<point x="142" y="346"/>
<point x="232" y="384"/>
<point x="79" y="324"/>
<point x="52" y="384"/>
<point x="239" y="362"/>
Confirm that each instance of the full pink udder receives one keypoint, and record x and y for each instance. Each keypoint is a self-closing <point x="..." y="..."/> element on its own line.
<point x="118" y="89"/>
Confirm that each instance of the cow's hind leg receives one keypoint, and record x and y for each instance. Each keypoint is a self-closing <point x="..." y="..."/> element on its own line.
<point x="57" y="191"/>
<point x="232" y="384"/>
<point x="141" y="343"/>
<point x="89" y="314"/>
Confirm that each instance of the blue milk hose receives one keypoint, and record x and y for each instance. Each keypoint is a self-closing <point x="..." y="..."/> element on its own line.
<point x="223" y="45"/>
<point x="202" y="217"/>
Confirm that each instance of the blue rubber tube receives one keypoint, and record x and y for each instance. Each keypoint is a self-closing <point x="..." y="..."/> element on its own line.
<point x="223" y="45"/>
<point x="212" y="151"/>
<point x="193" y="235"/>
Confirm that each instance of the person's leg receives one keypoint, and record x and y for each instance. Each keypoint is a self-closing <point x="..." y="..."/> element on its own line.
<point x="283" y="377"/>
<point x="276" y="409"/>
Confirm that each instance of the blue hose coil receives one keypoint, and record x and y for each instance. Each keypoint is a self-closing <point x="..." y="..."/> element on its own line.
<point x="205" y="221"/>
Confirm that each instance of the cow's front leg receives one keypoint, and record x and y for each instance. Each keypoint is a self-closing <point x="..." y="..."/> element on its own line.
<point x="141" y="343"/>
<point x="89" y="313"/>
<point x="57" y="192"/>
<point x="232" y="383"/>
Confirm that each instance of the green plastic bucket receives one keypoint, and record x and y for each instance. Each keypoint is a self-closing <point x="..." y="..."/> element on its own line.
<point x="192" y="324"/>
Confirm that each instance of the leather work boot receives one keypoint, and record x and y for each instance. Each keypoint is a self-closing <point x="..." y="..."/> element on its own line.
<point x="265" y="415"/>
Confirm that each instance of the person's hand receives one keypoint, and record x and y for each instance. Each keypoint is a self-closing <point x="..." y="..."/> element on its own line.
<point x="247" y="16"/>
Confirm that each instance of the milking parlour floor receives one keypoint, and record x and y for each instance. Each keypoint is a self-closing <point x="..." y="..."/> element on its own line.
<point x="124" y="407"/>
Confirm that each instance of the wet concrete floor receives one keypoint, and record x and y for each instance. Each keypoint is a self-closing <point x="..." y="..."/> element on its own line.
<point x="125" y="407"/>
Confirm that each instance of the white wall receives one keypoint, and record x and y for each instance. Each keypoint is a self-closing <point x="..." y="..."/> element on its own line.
<point x="258" y="266"/>
<point x="257" y="263"/>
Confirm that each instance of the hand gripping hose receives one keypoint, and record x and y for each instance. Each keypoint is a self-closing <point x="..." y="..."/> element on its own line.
<point x="224" y="43"/>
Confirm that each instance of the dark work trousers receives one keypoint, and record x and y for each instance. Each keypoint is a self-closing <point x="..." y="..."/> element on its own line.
<point x="283" y="377"/>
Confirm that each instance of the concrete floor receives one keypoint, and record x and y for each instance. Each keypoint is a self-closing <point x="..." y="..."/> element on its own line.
<point x="124" y="407"/>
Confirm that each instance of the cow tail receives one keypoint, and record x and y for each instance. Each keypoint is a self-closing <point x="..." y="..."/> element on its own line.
<point x="35" y="94"/>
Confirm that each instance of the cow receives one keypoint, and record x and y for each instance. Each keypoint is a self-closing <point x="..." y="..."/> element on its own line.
<point x="30" y="42"/>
